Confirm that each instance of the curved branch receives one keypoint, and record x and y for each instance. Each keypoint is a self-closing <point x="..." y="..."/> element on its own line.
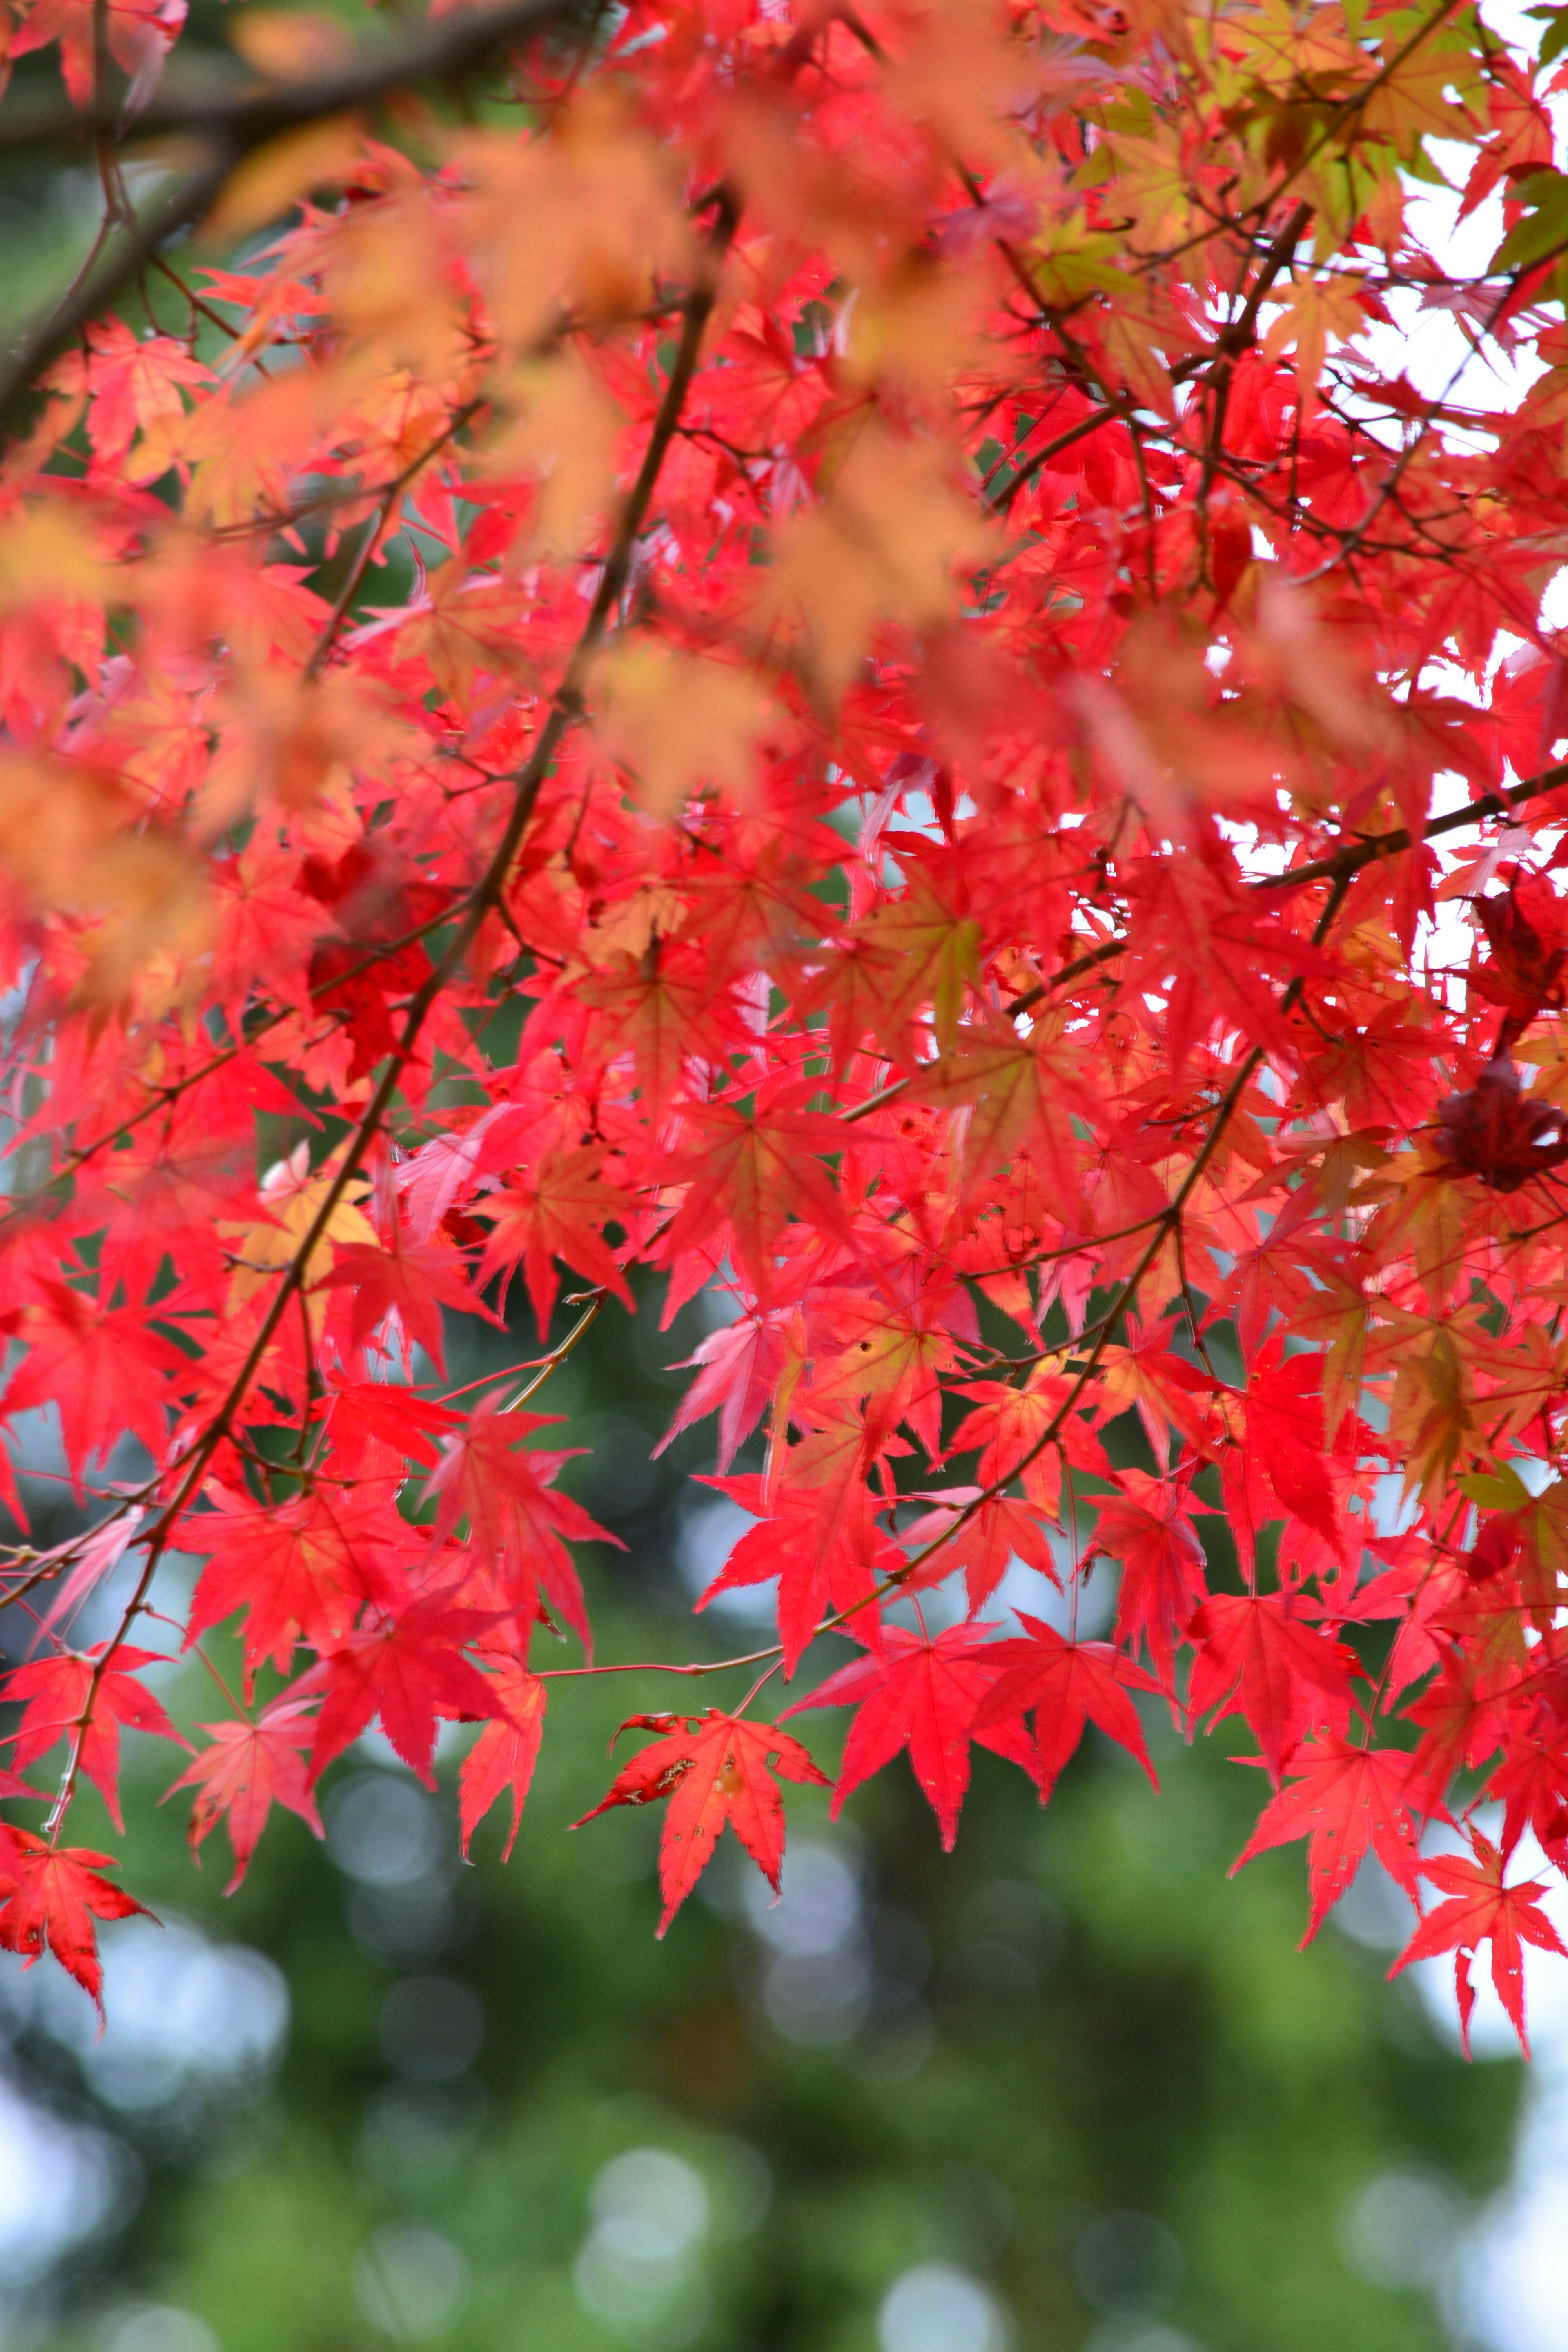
<point x="249" y="113"/>
<point x="113" y="267"/>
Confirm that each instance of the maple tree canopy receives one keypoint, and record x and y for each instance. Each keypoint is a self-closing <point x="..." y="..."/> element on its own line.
<point x="819" y="649"/>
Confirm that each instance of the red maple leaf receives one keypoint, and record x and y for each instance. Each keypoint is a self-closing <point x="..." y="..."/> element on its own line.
<point x="559" y="1210"/>
<point x="373" y="1414"/>
<point x="1255" y="1658"/>
<point x="1461" y="1717"/>
<point x="302" y="1571"/>
<point x="1147" y="1529"/>
<point x="713" y="1769"/>
<point x="918" y="1694"/>
<point x="1480" y="1909"/>
<point x="248" y="1767"/>
<point x="516" y="1521"/>
<point x="105" y="1367"/>
<point x="412" y="1280"/>
<point x="133" y="380"/>
<point x="407" y="1666"/>
<point x="749" y="1173"/>
<point x="741" y="1368"/>
<point x="1525" y="930"/>
<point x="139" y="34"/>
<point x="503" y="1755"/>
<point x="52" y="1895"/>
<point x="1065" y="1684"/>
<point x="56" y="1690"/>
<point x="822" y="1560"/>
<point x="1494" y="1131"/>
<point x="1284" y="1437"/>
<point x="984" y="1545"/>
<point x="1342" y="1800"/>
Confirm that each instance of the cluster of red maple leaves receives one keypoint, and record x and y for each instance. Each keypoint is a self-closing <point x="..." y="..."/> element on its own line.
<point x="819" y="653"/>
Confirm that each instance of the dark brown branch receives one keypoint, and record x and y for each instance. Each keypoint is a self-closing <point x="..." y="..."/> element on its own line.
<point x="248" y="114"/>
<point x="113" y="265"/>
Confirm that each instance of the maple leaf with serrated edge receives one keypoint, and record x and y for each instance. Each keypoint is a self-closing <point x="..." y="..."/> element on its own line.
<point x="558" y="1210"/>
<point x="1007" y="1426"/>
<point x="741" y="1368"/>
<point x="713" y="1769"/>
<point x="820" y="1560"/>
<point x="412" y="1280"/>
<point x="1158" y="1385"/>
<point x="1034" y="979"/>
<point x="1147" y="1529"/>
<point x="515" y="1519"/>
<point x="503" y="1755"/>
<point x="1254" y="1657"/>
<point x="1065" y="1684"/>
<point x="1480" y="1909"/>
<point x="299" y="1569"/>
<point x="404" y="1666"/>
<point x="56" y="1691"/>
<point x="1015" y="1093"/>
<point x="1285" y="1436"/>
<point x="248" y="1767"/>
<point x="132" y="382"/>
<point x="363" y="1416"/>
<point x="51" y="1896"/>
<point x="1461" y="1714"/>
<point x="1342" y="1799"/>
<point x="106" y="1368"/>
<point x="984" y="1545"/>
<point x="918" y="1694"/>
<point x="749" y="1173"/>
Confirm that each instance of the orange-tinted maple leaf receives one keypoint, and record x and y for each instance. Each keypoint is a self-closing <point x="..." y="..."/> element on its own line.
<point x="713" y="1769"/>
<point x="133" y="380"/>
